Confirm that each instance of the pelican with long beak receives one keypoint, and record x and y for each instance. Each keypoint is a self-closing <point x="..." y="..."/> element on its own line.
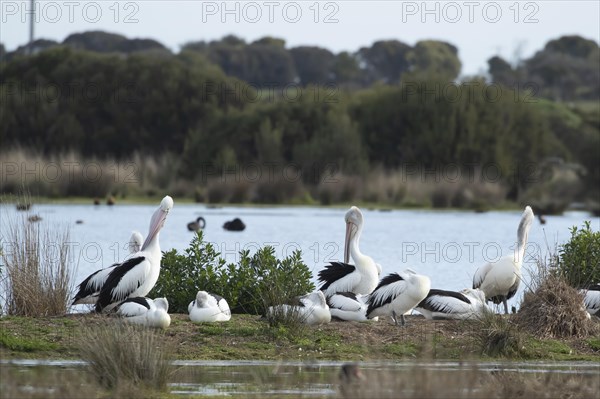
<point x="360" y="278"/>
<point x="137" y="275"/>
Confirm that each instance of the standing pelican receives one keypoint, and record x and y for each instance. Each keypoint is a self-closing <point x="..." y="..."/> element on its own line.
<point x="311" y="308"/>
<point x="500" y="280"/>
<point x="361" y="278"/>
<point x="145" y="311"/>
<point x="199" y="224"/>
<point x="89" y="289"/>
<point x="208" y="308"/>
<point x="396" y="294"/>
<point x="441" y="304"/>
<point x="137" y="275"/>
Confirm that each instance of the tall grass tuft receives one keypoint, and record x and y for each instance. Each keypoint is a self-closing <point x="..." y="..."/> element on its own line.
<point x="497" y="335"/>
<point x="38" y="271"/>
<point x="122" y="355"/>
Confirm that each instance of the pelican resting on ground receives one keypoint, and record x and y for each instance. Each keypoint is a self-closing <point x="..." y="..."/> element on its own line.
<point x="398" y="293"/>
<point x="89" y="289"/>
<point x="135" y="276"/>
<point x="208" y="308"/>
<point x="311" y="309"/>
<point x="145" y="312"/>
<point x="441" y="304"/>
<point x="199" y="224"/>
<point x="500" y="280"/>
<point x="348" y="306"/>
<point x="591" y="299"/>
<point x="360" y="278"/>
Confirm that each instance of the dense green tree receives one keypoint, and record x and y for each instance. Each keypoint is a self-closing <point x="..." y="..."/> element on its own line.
<point x="431" y="59"/>
<point x="384" y="61"/>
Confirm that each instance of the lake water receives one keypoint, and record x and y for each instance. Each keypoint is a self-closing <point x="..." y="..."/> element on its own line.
<point x="448" y="246"/>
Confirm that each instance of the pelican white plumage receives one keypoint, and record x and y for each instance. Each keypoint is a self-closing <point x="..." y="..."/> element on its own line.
<point x="591" y="299"/>
<point x="311" y="308"/>
<point x="145" y="311"/>
<point x="89" y="289"/>
<point x="348" y="306"/>
<point x="360" y="278"/>
<point x="136" y="276"/>
<point x="208" y="307"/>
<point x="442" y="304"/>
<point x="398" y="293"/>
<point x="500" y="280"/>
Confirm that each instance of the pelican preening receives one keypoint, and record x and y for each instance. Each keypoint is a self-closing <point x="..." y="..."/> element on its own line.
<point x="500" y="280"/>
<point x="145" y="311"/>
<point x="360" y="278"/>
<point x="311" y="308"/>
<point x="208" y="307"/>
<point x="348" y="306"/>
<point x="591" y="299"/>
<point x="398" y="293"/>
<point x="135" y="277"/>
<point x="199" y="224"/>
<point x="441" y="304"/>
<point x="135" y="242"/>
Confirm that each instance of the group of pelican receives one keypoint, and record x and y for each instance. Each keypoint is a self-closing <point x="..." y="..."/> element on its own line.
<point x="351" y="292"/>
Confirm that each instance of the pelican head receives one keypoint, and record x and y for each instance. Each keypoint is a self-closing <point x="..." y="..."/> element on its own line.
<point x="162" y="303"/>
<point x="135" y="241"/>
<point x="354" y="223"/>
<point x="201" y="298"/>
<point x="158" y="220"/>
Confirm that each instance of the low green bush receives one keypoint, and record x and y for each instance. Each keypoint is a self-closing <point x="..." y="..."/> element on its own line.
<point x="579" y="258"/>
<point x="249" y="286"/>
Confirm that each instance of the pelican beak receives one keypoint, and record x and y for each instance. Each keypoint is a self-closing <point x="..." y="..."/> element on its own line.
<point x="349" y="234"/>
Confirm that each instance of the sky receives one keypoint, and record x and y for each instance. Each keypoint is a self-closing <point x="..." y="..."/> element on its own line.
<point x="480" y="29"/>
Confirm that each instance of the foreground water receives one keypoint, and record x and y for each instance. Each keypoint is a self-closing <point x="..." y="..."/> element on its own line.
<point x="448" y="246"/>
<point x="300" y="379"/>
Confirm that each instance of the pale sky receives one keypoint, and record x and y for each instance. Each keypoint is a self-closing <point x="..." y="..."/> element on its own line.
<point x="480" y="29"/>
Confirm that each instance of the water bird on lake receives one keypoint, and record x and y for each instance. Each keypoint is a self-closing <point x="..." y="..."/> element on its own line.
<point x="23" y="206"/>
<point x="397" y="294"/>
<point x="360" y="278"/>
<point x="500" y="280"/>
<point x="96" y="201"/>
<point x="34" y="218"/>
<point x="311" y="309"/>
<point x="234" y="225"/>
<point x="208" y="307"/>
<point x="591" y="299"/>
<point x="134" y="277"/>
<point x="348" y="306"/>
<point x="145" y="312"/>
<point x="442" y="304"/>
<point x="79" y="221"/>
<point x="199" y="224"/>
<point x="110" y="200"/>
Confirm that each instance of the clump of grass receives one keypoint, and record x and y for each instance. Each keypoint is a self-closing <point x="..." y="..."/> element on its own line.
<point x="122" y="355"/>
<point x="497" y="335"/>
<point x="39" y="271"/>
<point x="554" y="310"/>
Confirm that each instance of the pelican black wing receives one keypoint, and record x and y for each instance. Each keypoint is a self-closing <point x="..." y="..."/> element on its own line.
<point x="376" y="299"/>
<point x="429" y="304"/>
<point x="114" y="278"/>
<point x="333" y="272"/>
<point x="140" y="300"/>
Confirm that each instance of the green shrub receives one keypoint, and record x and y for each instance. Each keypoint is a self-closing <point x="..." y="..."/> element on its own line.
<point x="249" y="286"/>
<point x="580" y="257"/>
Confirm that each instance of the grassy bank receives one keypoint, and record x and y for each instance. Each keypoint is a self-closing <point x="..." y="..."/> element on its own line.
<point x="248" y="337"/>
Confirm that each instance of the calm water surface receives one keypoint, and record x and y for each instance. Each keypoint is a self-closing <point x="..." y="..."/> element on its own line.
<point x="448" y="246"/>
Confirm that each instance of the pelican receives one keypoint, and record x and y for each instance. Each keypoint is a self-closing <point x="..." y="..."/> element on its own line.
<point x="348" y="306"/>
<point x="398" y="293"/>
<point x="89" y="289"/>
<point x="591" y="299"/>
<point x="137" y="275"/>
<point x="361" y="278"/>
<point x="500" y="280"/>
<point x="208" y="308"/>
<point x="199" y="224"/>
<point x="311" y="309"/>
<point x="145" y="311"/>
<point x="135" y="242"/>
<point x="441" y="304"/>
